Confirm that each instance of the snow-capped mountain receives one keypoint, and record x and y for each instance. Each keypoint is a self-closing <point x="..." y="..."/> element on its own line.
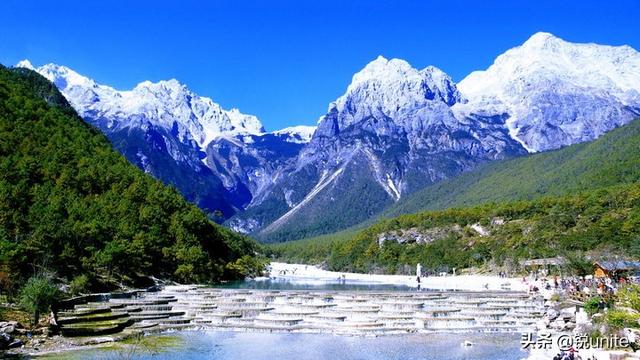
<point x="168" y="104"/>
<point x="395" y="130"/>
<point x="557" y="93"/>
<point x="176" y="135"/>
<point x="391" y="133"/>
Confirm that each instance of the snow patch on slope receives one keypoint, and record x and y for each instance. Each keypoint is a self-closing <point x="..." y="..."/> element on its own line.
<point x="300" y="134"/>
<point x="322" y="183"/>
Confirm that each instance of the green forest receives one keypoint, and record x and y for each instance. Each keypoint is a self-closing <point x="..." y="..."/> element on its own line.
<point x="604" y="221"/>
<point x="73" y="207"/>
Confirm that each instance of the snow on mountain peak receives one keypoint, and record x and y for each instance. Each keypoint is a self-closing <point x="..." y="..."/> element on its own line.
<point x="541" y="39"/>
<point x="165" y="86"/>
<point x="25" y="64"/>
<point x="243" y="123"/>
<point x="555" y="92"/>
<point x="544" y="55"/>
<point x="394" y="86"/>
<point x="166" y="103"/>
<point x="63" y="77"/>
<point x="383" y="70"/>
<point x="297" y="134"/>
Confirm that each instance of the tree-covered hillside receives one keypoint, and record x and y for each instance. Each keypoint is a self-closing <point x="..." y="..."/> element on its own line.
<point x="71" y="205"/>
<point x="605" y="221"/>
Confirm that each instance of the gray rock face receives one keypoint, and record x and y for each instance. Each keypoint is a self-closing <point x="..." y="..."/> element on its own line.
<point x="417" y="236"/>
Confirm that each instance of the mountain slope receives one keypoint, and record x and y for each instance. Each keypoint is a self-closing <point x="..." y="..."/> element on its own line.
<point x="390" y="134"/>
<point x="583" y="197"/>
<point x="610" y="160"/>
<point x="71" y="204"/>
<point x="603" y="222"/>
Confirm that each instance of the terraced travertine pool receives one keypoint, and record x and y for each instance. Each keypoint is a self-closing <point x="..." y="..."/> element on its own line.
<point x="322" y="311"/>
<point x="249" y="323"/>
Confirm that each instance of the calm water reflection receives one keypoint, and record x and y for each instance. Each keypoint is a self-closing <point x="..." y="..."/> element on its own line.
<point x="258" y="346"/>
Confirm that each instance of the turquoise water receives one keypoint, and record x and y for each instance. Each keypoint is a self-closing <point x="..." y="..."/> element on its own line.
<point x="285" y="346"/>
<point x="332" y="285"/>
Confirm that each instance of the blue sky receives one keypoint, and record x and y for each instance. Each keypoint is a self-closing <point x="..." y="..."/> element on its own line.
<point x="284" y="61"/>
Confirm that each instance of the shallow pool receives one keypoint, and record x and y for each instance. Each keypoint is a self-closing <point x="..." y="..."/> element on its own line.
<point x="287" y="346"/>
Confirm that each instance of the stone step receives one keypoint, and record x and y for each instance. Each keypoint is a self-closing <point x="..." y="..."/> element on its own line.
<point x="497" y="322"/>
<point x="196" y="307"/>
<point x="361" y="324"/>
<point x="402" y="306"/>
<point x="84" y="312"/>
<point x="94" y="328"/>
<point x="331" y="317"/>
<point x="484" y="315"/>
<point x="396" y="317"/>
<point x="173" y="321"/>
<point x="446" y="323"/>
<point x="219" y="318"/>
<point x="137" y="318"/>
<point x="106" y="316"/>
<point x="350" y="310"/>
<point x="159" y="313"/>
<point x="399" y="323"/>
<point x="438" y="312"/>
<point x="241" y="321"/>
<point x="97" y="306"/>
<point x="245" y="305"/>
<point x="162" y="307"/>
<point x="140" y="302"/>
<point x="280" y="322"/>
<point x="145" y="324"/>
<point x="291" y="312"/>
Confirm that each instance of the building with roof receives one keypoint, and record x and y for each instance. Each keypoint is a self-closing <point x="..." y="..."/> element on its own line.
<point x="615" y="268"/>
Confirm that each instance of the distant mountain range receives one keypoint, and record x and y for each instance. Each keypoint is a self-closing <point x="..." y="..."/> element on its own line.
<point x="219" y="159"/>
<point x="395" y="131"/>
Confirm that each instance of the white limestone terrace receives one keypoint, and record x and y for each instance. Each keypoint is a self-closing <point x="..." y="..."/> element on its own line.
<point x="355" y="312"/>
<point x="312" y="275"/>
<point x="363" y="313"/>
